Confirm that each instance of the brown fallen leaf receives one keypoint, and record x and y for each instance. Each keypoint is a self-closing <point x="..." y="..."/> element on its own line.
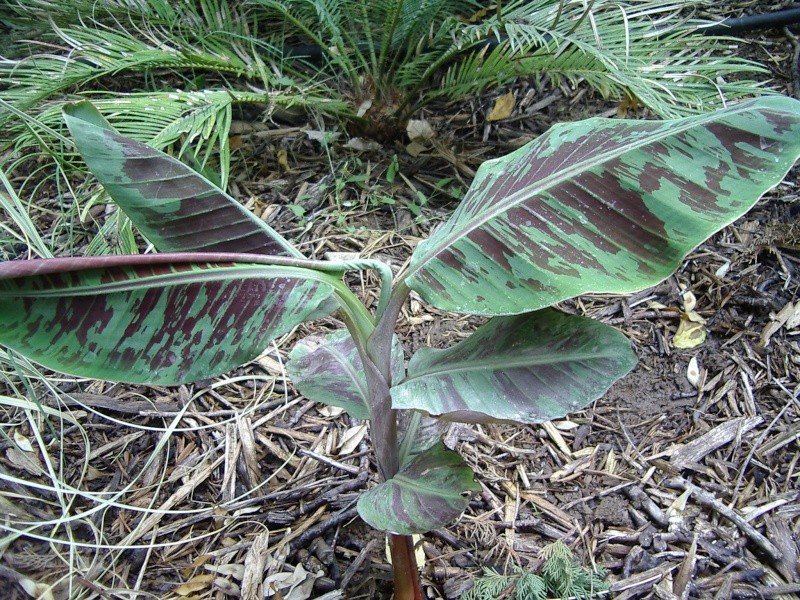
<point x="503" y="107"/>
<point x="195" y="584"/>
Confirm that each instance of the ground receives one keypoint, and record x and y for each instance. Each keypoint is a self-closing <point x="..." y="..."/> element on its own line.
<point x="682" y="481"/>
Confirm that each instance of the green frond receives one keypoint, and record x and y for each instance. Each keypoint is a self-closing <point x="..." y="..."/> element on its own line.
<point x="93" y="56"/>
<point x="642" y="49"/>
<point x="489" y="586"/>
<point x="418" y="19"/>
<point x="17" y="224"/>
<point x="530" y="587"/>
<point x="400" y="53"/>
<point x="561" y="576"/>
<point x="115" y="236"/>
<point x="480" y="70"/>
<point x="564" y="575"/>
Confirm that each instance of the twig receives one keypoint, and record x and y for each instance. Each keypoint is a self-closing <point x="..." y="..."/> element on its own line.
<point x="637" y="494"/>
<point x="776" y="590"/>
<point x="353" y="470"/>
<point x="709" y="501"/>
<point x="316" y="530"/>
<point x="762" y="437"/>
<point x="331" y="495"/>
<point x="356" y="564"/>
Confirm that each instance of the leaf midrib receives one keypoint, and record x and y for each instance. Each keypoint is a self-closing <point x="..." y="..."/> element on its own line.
<point x="462" y="366"/>
<point x="173" y="279"/>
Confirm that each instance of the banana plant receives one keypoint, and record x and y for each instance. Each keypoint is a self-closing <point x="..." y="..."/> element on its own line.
<point x="601" y="205"/>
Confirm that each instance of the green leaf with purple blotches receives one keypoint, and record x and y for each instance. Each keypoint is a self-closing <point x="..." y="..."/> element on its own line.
<point x="526" y="368"/>
<point x="155" y="318"/>
<point x="328" y="369"/>
<point x="176" y="208"/>
<point x="429" y="491"/>
<point x="602" y="205"/>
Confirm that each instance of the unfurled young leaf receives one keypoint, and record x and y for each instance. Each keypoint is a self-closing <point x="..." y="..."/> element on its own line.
<point x="528" y="368"/>
<point x="161" y="319"/>
<point x="176" y="208"/>
<point x="602" y="205"/>
<point x="429" y="491"/>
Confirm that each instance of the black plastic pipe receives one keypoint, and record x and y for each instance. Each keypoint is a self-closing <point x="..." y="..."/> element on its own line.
<point x="733" y="25"/>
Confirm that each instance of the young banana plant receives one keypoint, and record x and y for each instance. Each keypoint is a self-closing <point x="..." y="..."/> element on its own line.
<point x="601" y="205"/>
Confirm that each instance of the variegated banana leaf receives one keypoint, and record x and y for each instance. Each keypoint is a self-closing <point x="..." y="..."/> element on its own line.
<point x="602" y="205"/>
<point x="162" y="319"/>
<point x="418" y="432"/>
<point x="176" y="208"/>
<point x="429" y="491"/>
<point x="526" y="368"/>
<point x="328" y="369"/>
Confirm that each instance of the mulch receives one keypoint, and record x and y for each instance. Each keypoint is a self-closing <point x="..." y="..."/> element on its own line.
<point x="681" y="482"/>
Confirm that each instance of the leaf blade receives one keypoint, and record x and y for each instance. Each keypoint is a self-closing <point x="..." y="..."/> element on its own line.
<point x="328" y="369"/>
<point x="602" y="206"/>
<point x="428" y="492"/>
<point x="525" y="368"/>
<point x="176" y="208"/>
<point x="155" y="319"/>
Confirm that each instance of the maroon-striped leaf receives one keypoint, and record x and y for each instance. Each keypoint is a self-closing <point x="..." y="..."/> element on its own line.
<point x="525" y="368"/>
<point x="430" y="490"/>
<point x="162" y="319"/>
<point x="176" y="208"/>
<point x="328" y="369"/>
<point x="602" y="205"/>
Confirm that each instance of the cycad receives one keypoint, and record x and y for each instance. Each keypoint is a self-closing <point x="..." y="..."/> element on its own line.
<point x="372" y="64"/>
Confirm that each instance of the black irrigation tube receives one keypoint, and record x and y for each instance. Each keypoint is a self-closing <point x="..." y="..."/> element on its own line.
<point x="733" y="25"/>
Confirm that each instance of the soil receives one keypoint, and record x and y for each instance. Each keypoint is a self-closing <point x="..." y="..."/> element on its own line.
<point x="670" y="486"/>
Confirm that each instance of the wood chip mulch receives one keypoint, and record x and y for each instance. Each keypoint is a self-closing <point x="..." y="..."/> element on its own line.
<point x="682" y="482"/>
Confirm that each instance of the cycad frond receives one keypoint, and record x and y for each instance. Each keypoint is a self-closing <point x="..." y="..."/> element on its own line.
<point x="87" y="56"/>
<point x="90" y="53"/>
<point x="398" y="54"/>
<point x="17" y="223"/>
<point x="642" y="48"/>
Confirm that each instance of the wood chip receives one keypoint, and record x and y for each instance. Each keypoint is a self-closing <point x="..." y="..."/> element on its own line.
<point x="788" y="316"/>
<point x="722" y="434"/>
<point x="554" y="434"/>
<point x="255" y="565"/>
<point x="251" y="471"/>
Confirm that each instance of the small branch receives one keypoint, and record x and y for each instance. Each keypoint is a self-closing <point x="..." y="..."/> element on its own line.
<point x="317" y="530"/>
<point x="357" y="563"/>
<point x="709" y="501"/>
<point x="330" y="462"/>
<point x="637" y="494"/>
